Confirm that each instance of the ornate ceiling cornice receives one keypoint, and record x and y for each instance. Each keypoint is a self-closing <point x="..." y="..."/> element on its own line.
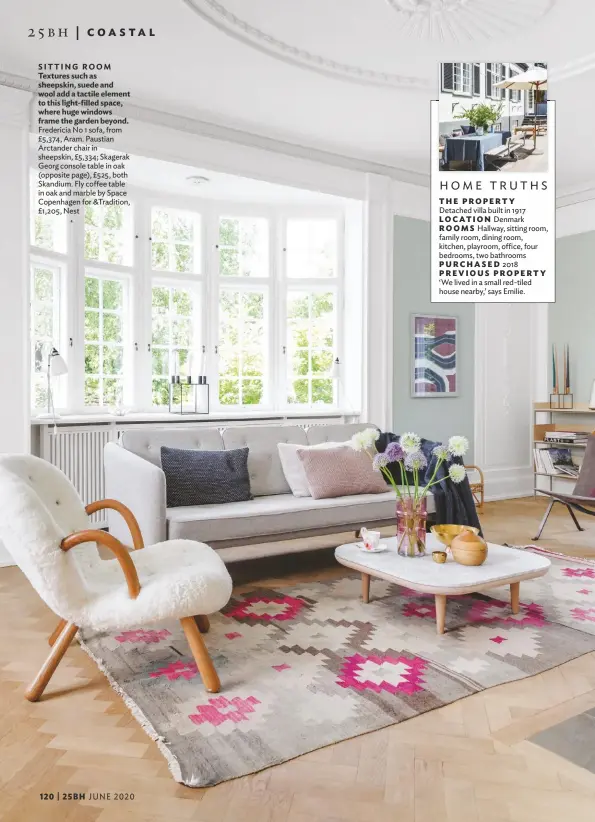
<point x="453" y="21"/>
<point x="215" y="13"/>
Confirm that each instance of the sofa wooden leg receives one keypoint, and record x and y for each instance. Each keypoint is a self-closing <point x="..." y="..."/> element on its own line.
<point x="204" y="663"/>
<point x="203" y="623"/>
<point x="59" y="648"/>
<point x="56" y="632"/>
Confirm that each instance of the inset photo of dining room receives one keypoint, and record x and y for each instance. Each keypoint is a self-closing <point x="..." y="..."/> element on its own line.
<point x="493" y="117"/>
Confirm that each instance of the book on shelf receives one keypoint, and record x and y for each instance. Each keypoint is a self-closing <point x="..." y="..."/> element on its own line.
<point x="566" y="437"/>
<point x="555" y="462"/>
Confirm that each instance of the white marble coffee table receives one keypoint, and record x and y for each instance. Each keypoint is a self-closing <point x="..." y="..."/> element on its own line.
<point x="503" y="566"/>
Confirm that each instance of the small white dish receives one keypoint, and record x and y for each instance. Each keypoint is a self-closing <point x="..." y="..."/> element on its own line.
<point x="377" y="550"/>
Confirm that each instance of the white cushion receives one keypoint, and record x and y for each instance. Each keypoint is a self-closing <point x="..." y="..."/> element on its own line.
<point x="293" y="467"/>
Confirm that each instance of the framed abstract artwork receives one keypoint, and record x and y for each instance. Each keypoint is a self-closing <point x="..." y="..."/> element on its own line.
<point x="434" y="367"/>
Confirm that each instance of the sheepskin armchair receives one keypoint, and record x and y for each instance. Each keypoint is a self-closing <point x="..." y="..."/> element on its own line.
<point x="45" y="527"/>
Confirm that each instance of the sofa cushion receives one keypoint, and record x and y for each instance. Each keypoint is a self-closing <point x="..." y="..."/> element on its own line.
<point x="147" y="443"/>
<point x="264" y="465"/>
<point x="337" y="432"/>
<point x="293" y="467"/>
<point x="205" y="477"/>
<point x="279" y="514"/>
<point x="340" y="472"/>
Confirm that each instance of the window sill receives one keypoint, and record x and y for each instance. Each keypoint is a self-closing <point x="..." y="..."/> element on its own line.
<point x="213" y="417"/>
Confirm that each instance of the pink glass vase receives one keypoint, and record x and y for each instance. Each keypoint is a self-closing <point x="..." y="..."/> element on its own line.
<point x="411" y="527"/>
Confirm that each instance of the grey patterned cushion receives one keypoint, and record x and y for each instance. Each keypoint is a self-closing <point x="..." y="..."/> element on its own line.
<point x="203" y="477"/>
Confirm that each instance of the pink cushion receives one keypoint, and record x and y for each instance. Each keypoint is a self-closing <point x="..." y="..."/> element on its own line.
<point x="340" y="472"/>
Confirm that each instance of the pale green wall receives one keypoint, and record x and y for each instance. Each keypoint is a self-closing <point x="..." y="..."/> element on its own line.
<point x="435" y="419"/>
<point x="572" y="316"/>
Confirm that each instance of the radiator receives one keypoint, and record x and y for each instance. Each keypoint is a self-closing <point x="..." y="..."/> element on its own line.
<point x="79" y="454"/>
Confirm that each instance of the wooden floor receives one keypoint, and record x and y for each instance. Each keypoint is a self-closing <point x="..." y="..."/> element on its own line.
<point x="468" y="761"/>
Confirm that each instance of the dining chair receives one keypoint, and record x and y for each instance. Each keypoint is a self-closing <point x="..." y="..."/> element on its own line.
<point x="45" y="527"/>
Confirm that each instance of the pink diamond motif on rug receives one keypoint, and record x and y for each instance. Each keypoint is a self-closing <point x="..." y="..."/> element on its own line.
<point x="498" y="639"/>
<point x="584" y="591"/>
<point x="283" y="667"/>
<point x="584" y="614"/>
<point x="579" y="572"/>
<point x="148" y="637"/>
<point x="267" y="609"/>
<point x="175" y="670"/>
<point x="382" y="673"/>
<point x="495" y="610"/>
<point x="232" y="635"/>
<point x="240" y="710"/>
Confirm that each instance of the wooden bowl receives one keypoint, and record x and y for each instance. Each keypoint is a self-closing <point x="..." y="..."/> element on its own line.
<point x="469" y="549"/>
<point x="446" y="533"/>
<point x="439" y="556"/>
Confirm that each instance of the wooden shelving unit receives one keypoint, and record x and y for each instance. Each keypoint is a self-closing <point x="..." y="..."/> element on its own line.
<point x="560" y="419"/>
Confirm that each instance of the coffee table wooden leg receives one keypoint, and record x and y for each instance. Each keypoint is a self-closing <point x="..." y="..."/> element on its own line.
<point x="366" y="587"/>
<point x="440" y="600"/>
<point x="515" y="590"/>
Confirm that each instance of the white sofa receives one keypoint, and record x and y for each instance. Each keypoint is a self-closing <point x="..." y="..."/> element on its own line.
<point x="133" y="475"/>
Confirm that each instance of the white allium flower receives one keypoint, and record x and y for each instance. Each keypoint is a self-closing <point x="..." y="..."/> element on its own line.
<point x="410" y="442"/>
<point x="415" y="461"/>
<point x="364" y="440"/>
<point x="458" y="446"/>
<point x="440" y="452"/>
<point x="457" y="473"/>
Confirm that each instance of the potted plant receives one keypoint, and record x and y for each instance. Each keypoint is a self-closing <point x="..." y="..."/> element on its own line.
<point x="480" y="116"/>
<point x="411" y="499"/>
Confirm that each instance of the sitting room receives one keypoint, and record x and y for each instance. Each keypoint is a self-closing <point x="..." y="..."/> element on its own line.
<point x="281" y="539"/>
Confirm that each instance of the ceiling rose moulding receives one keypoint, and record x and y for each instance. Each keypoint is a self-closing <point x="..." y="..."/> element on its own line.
<point x="457" y="21"/>
<point x="226" y="21"/>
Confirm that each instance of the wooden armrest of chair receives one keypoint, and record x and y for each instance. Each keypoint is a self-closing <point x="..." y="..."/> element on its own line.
<point x="475" y="468"/>
<point x="115" y="546"/>
<point x="128" y="516"/>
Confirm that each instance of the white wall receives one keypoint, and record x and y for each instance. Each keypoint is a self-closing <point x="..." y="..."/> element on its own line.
<point x="510" y="373"/>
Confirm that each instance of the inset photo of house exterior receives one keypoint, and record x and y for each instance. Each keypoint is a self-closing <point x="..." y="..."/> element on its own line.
<point x="493" y="117"/>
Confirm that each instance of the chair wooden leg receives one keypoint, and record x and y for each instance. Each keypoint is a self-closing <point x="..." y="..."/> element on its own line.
<point x="56" y="632"/>
<point x="574" y="519"/>
<point x="204" y="663"/>
<point x="544" y="520"/>
<point x="203" y="623"/>
<point x="39" y="684"/>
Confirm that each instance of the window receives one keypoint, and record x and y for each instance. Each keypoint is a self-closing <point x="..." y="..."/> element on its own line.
<point x="175" y="241"/>
<point x="45" y="325"/>
<point x="104" y="340"/>
<point x="140" y="296"/>
<point x="243" y="247"/>
<point x="47" y="231"/>
<point x="108" y="234"/>
<point x="175" y="324"/>
<point x="462" y="78"/>
<point x="242" y="347"/>
<point x="311" y="345"/>
<point x="311" y="248"/>
<point x="501" y="76"/>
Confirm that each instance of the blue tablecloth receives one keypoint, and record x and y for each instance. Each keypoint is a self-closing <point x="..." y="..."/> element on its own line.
<point x="471" y="147"/>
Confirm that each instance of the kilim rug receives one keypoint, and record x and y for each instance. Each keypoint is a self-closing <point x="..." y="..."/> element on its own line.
<point x="310" y="665"/>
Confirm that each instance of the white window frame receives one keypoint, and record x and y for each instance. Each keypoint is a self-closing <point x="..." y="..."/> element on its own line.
<point x="57" y="262"/>
<point x="335" y="284"/>
<point x="462" y="79"/>
<point x="139" y="278"/>
<point x="195" y="349"/>
<point x="108" y="272"/>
